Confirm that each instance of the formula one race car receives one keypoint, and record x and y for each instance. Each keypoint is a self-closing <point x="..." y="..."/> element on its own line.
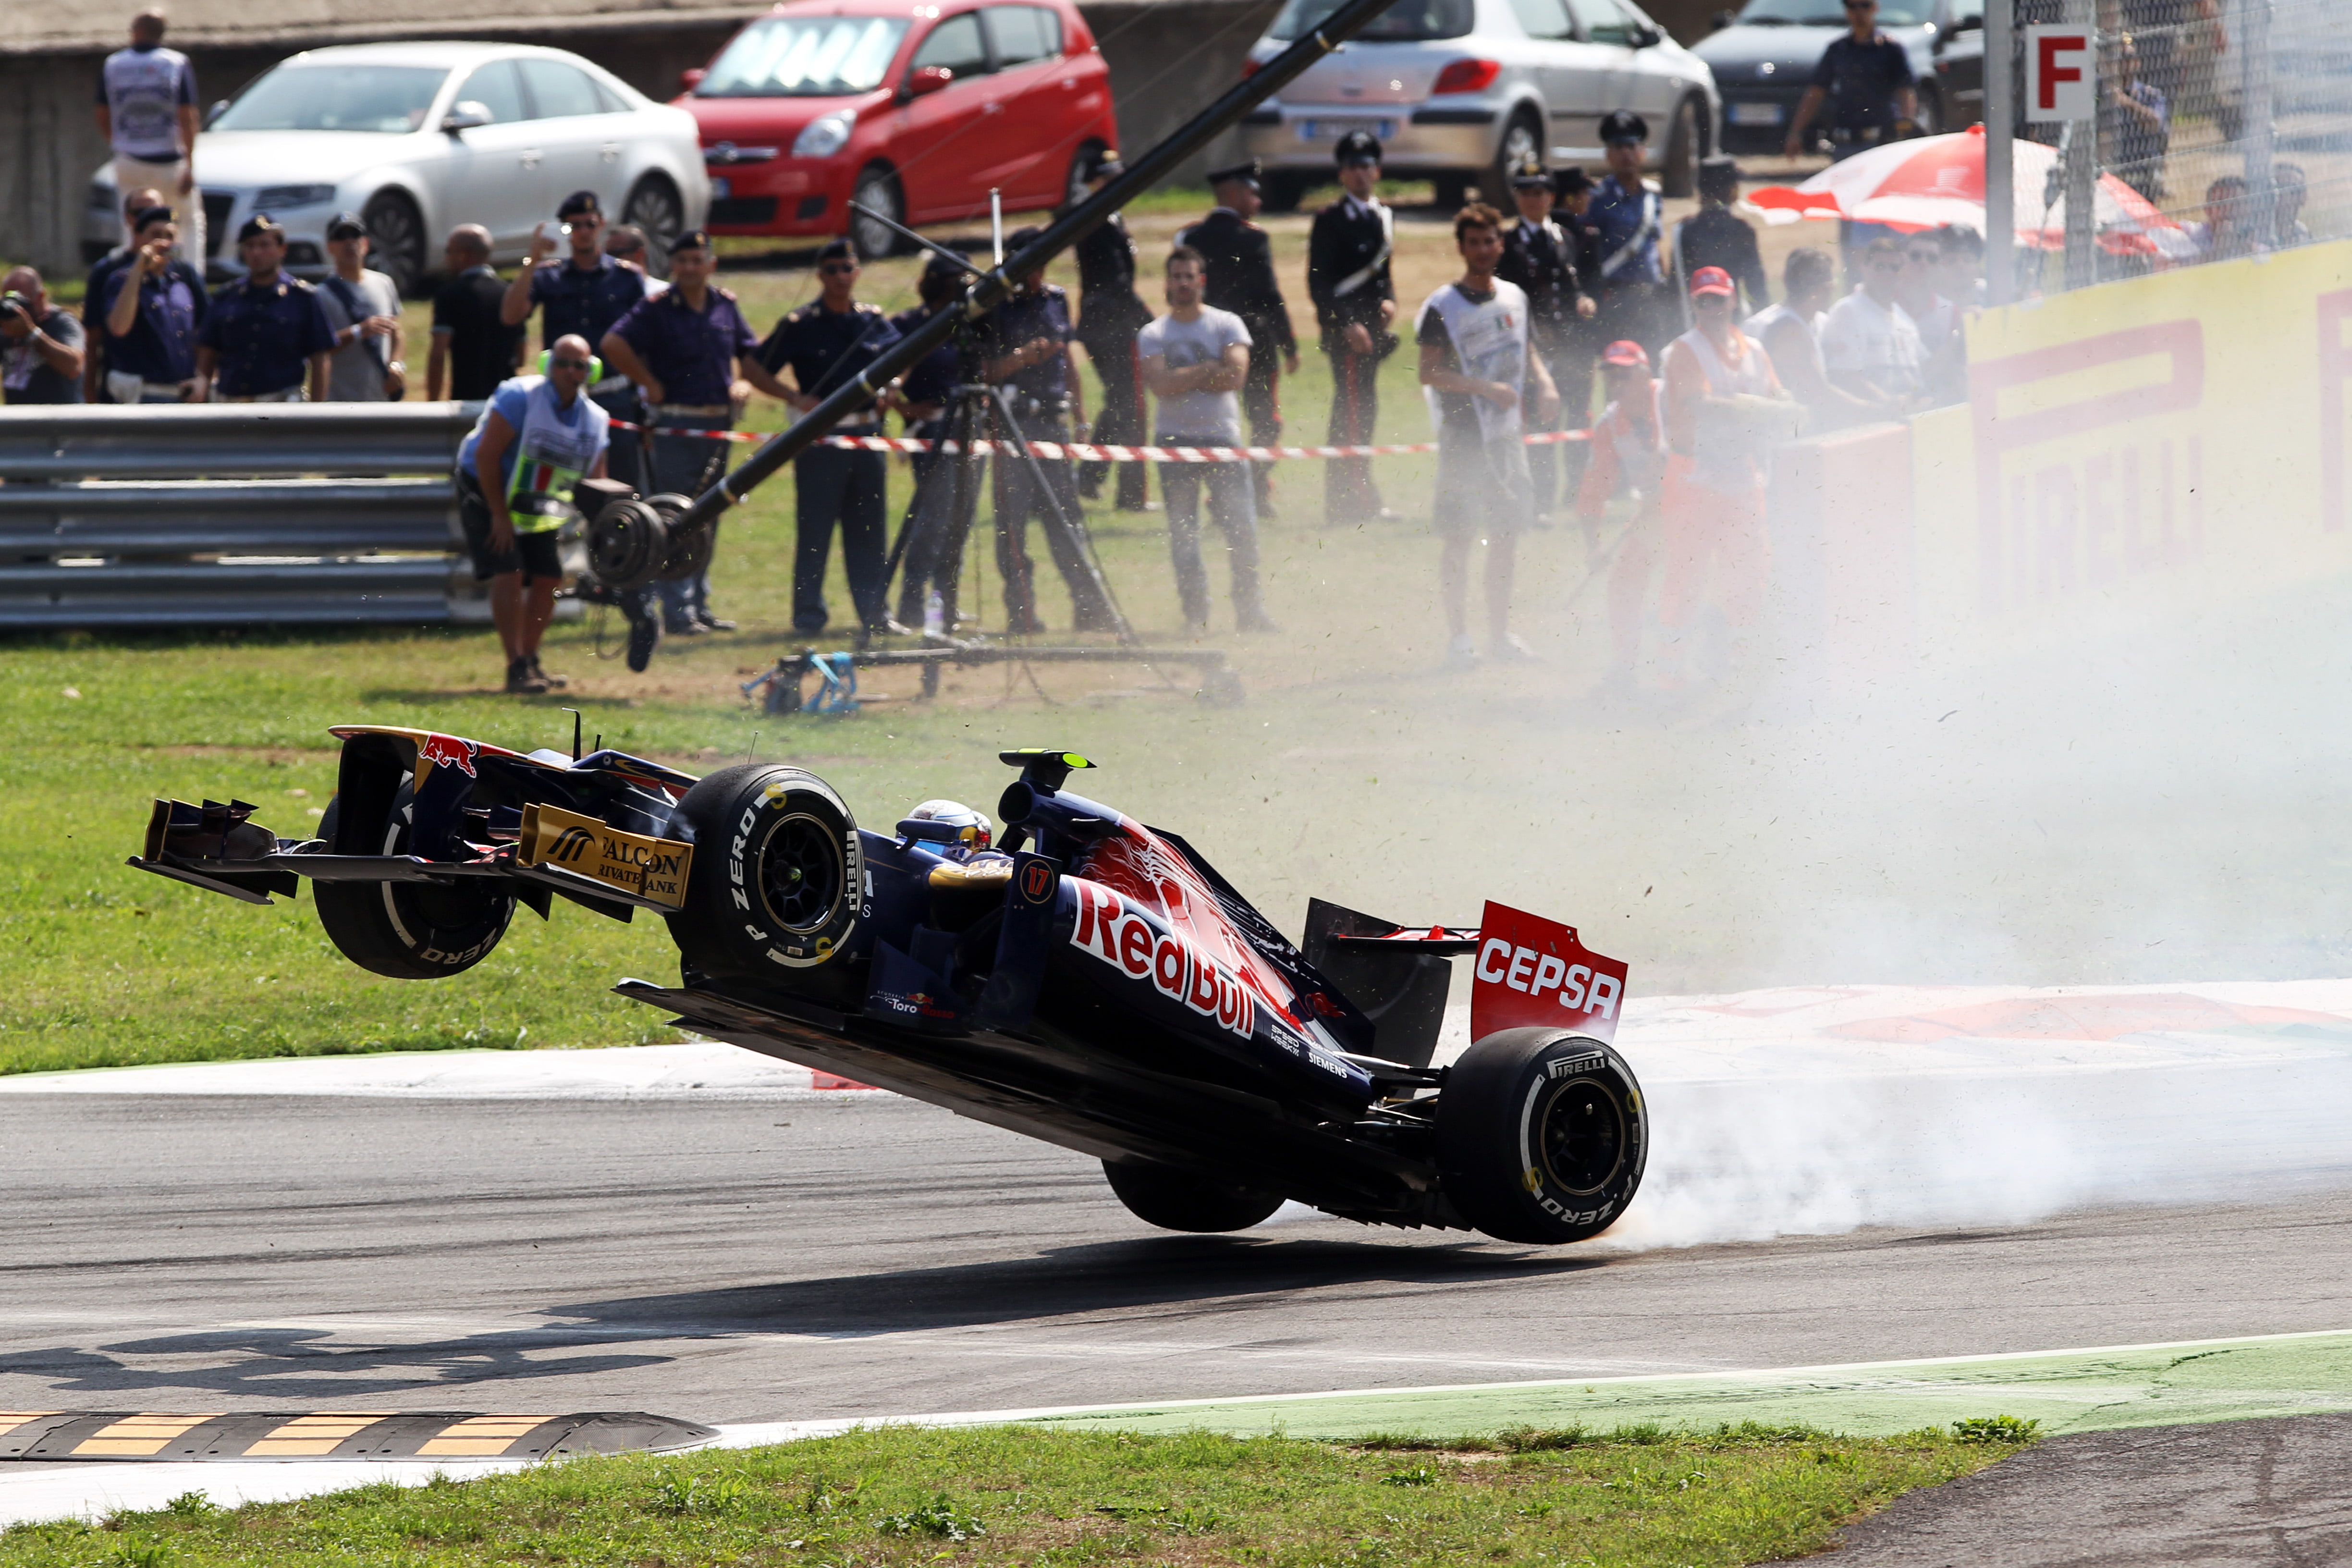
<point x="1087" y="980"/>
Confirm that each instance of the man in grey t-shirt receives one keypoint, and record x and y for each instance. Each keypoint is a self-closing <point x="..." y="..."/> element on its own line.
<point x="363" y="309"/>
<point x="1194" y="359"/>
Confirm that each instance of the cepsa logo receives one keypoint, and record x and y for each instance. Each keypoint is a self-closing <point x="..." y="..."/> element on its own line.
<point x="1107" y="929"/>
<point x="1534" y="971"/>
<point x="446" y="752"/>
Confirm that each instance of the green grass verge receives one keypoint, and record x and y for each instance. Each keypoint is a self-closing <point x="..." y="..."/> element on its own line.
<point x="1016" y="1496"/>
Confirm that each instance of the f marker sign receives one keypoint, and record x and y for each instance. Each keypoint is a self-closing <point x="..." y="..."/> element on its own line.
<point x="2059" y="72"/>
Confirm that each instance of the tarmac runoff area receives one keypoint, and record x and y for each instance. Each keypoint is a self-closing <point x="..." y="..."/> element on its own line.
<point x="1889" y="1200"/>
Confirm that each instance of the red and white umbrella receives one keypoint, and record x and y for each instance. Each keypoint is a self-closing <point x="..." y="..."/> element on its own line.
<point x="1935" y="180"/>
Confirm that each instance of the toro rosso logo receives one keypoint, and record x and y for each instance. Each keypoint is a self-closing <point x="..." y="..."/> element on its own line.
<point x="1108" y="931"/>
<point x="447" y="751"/>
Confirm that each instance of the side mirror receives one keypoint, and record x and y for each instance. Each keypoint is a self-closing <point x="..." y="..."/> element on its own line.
<point x="219" y="108"/>
<point x="1720" y="20"/>
<point x="925" y="80"/>
<point x="1647" y="38"/>
<point x="466" y="115"/>
<point x="692" y="77"/>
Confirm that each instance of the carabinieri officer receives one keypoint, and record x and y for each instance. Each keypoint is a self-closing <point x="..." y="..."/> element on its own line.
<point x="1110" y="312"/>
<point x="582" y="296"/>
<point x="685" y="349"/>
<point x="1627" y="214"/>
<point x="824" y="345"/>
<point x="1539" y="256"/>
<point x="265" y="335"/>
<point x="1347" y="253"/>
<point x="1241" y="279"/>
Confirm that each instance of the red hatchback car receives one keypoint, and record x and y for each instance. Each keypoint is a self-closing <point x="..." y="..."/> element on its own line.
<point x="915" y="110"/>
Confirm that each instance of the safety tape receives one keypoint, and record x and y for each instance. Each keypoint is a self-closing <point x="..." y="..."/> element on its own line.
<point x="1086" y="452"/>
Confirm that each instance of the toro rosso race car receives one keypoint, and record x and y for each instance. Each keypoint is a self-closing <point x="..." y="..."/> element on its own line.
<point x="1085" y="979"/>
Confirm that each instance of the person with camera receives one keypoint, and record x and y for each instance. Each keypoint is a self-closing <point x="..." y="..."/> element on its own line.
<point x="939" y="514"/>
<point x="363" y="312"/>
<point x="584" y="293"/>
<point x="152" y="311"/>
<point x="1348" y="252"/>
<point x="265" y="340"/>
<point x="538" y="439"/>
<point x="41" y="361"/>
<point x="93" y="290"/>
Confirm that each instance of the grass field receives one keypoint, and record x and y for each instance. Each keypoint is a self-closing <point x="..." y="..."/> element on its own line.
<point x="1013" y="1496"/>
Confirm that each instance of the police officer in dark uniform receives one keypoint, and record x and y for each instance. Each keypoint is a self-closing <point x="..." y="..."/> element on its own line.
<point x="1866" y="78"/>
<point x="1539" y="256"/>
<point x="684" y="349"/>
<point x="582" y="296"/>
<point x="1110" y="312"/>
<point x="1241" y="279"/>
<point x="939" y="514"/>
<point x="1715" y="236"/>
<point x="1348" y="252"/>
<point x="824" y="345"/>
<point x="1627" y="214"/>
<point x="265" y="338"/>
<point x="1025" y="352"/>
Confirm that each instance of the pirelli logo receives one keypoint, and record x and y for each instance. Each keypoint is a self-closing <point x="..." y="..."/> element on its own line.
<point x="654" y="870"/>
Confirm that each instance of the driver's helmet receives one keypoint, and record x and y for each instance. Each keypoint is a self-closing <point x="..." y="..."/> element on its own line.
<point x="974" y="833"/>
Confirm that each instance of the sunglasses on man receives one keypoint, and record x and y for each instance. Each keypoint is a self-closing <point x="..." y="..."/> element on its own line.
<point x="838" y="268"/>
<point x="571" y="364"/>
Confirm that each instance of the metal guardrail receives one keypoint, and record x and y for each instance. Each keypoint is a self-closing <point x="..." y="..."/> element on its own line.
<point x="230" y="514"/>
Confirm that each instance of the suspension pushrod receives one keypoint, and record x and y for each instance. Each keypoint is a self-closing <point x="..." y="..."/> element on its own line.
<point x="996" y="285"/>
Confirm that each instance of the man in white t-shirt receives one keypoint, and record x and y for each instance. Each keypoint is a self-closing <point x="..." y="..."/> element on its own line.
<point x="147" y="112"/>
<point x="1790" y="333"/>
<point x="363" y="309"/>
<point x="1194" y="359"/>
<point x="1869" y="344"/>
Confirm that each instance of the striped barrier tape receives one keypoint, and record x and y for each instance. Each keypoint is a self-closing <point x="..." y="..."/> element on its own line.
<point x="1086" y="452"/>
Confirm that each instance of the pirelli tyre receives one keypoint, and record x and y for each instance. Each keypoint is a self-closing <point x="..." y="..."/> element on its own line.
<point x="1541" y="1136"/>
<point x="407" y="931"/>
<point x="778" y="884"/>
<point x="1178" y="1200"/>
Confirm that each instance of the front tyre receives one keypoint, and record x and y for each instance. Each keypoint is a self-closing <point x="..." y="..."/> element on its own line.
<point x="1541" y="1136"/>
<point x="778" y="883"/>
<point x="1178" y="1200"/>
<point x="877" y="192"/>
<point x="409" y="931"/>
<point x="1686" y="145"/>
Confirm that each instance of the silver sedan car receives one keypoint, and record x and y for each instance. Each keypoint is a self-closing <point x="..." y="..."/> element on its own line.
<point x="1463" y="91"/>
<point x="418" y="138"/>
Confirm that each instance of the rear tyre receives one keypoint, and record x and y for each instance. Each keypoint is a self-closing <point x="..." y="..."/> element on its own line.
<point x="777" y="887"/>
<point x="655" y="208"/>
<point x="1178" y="1200"/>
<point x="1452" y="191"/>
<point x="1686" y="145"/>
<point x="409" y="931"/>
<point x="1541" y="1136"/>
<point x="877" y="191"/>
<point x="1082" y="172"/>
<point x="1523" y="140"/>
<point x="395" y="240"/>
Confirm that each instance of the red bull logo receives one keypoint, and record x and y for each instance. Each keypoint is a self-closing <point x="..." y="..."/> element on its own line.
<point x="1107" y="929"/>
<point x="445" y="751"/>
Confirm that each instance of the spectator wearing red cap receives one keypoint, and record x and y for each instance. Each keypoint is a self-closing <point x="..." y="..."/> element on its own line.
<point x="1722" y="404"/>
<point x="1627" y="456"/>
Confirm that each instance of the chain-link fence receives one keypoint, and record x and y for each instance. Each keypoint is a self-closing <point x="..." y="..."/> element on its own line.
<point x="2232" y="118"/>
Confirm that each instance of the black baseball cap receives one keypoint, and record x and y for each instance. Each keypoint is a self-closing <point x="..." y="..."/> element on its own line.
<point x="346" y="226"/>
<point x="692" y="239"/>
<point x="259" y="224"/>
<point x="1245" y="174"/>
<point x="1622" y="125"/>
<point x="579" y="202"/>
<point x="151" y="215"/>
<point x="1357" y="147"/>
<point x="1572" y="181"/>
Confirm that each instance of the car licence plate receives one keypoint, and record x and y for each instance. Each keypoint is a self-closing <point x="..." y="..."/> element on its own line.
<point x="721" y="188"/>
<point x="1332" y="129"/>
<point x="1755" y="114"/>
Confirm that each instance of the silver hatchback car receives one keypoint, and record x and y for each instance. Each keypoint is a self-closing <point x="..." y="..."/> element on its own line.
<point x="1463" y="91"/>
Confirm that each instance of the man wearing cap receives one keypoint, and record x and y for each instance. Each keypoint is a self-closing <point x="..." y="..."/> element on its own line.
<point x="686" y="349"/>
<point x="1867" y="80"/>
<point x="538" y="437"/>
<point x="1024" y="344"/>
<point x="1715" y="236"/>
<point x="826" y="345"/>
<point x="1242" y="281"/>
<point x="1110" y="314"/>
<point x="1540" y="258"/>
<point x="363" y="312"/>
<point x="939" y="513"/>
<point x="1627" y="214"/>
<point x="1348" y="252"/>
<point x="583" y="295"/>
<point x="151" y="312"/>
<point x="1572" y="197"/>
<point x="138" y="200"/>
<point x="1474" y="356"/>
<point x="265" y="337"/>
<point x="1723" y="408"/>
<point x="147" y="112"/>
